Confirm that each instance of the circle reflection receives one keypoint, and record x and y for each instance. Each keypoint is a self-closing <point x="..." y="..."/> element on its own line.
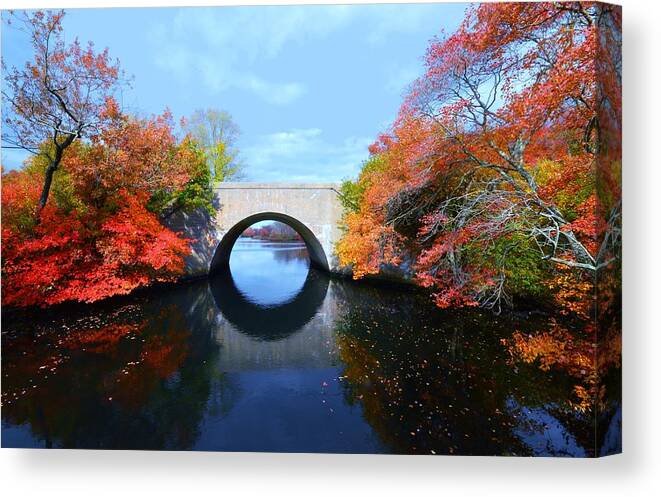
<point x="272" y="321"/>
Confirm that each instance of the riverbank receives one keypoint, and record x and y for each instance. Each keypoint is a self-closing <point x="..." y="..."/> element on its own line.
<point x="382" y="281"/>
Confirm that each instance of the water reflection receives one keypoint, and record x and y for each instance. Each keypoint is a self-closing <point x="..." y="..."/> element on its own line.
<point x="265" y="302"/>
<point x="268" y="274"/>
<point x="131" y="376"/>
<point x="293" y="362"/>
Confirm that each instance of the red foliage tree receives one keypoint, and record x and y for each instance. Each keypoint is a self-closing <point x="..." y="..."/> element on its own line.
<point x="101" y="235"/>
<point x="65" y="93"/>
<point x="79" y="257"/>
<point x="111" y="242"/>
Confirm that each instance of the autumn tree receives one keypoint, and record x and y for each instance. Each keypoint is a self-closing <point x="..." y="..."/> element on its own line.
<point x="97" y="228"/>
<point x="501" y="178"/>
<point x="275" y="231"/>
<point x="102" y="234"/>
<point x="65" y="93"/>
<point x="495" y="153"/>
<point x="136" y="155"/>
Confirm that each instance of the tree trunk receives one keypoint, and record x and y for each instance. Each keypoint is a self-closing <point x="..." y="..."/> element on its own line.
<point x="45" y="191"/>
<point x="50" y="170"/>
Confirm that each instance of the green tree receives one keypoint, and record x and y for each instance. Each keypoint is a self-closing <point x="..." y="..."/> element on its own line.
<point x="216" y="132"/>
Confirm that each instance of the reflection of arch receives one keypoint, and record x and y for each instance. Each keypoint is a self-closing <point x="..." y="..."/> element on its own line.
<point x="269" y="322"/>
<point x="221" y="257"/>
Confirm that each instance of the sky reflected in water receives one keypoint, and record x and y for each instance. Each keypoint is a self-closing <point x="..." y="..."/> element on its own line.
<point x="259" y="274"/>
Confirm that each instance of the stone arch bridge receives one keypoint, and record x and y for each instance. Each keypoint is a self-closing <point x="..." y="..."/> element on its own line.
<point x="312" y="209"/>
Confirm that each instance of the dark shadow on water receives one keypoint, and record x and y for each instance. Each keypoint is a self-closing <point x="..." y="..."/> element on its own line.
<point x="269" y="322"/>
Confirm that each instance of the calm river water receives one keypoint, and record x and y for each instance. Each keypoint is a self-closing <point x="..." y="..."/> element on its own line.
<point x="278" y="357"/>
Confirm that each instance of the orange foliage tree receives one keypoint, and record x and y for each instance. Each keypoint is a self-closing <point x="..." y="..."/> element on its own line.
<point x="490" y="171"/>
<point x="501" y="177"/>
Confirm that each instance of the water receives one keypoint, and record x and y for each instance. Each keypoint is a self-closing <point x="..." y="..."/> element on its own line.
<point x="278" y="357"/>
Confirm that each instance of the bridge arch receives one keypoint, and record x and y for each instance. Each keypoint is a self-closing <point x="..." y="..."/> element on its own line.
<point x="221" y="257"/>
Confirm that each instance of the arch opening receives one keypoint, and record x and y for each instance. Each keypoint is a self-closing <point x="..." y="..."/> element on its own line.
<point x="221" y="257"/>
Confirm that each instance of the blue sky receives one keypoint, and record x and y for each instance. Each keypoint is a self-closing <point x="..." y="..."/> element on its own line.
<point x="309" y="86"/>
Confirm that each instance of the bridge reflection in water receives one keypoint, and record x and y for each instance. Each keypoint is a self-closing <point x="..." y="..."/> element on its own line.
<point x="256" y="332"/>
<point x="269" y="322"/>
<point x="277" y="349"/>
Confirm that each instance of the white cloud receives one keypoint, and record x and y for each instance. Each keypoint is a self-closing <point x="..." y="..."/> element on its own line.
<point x="224" y="47"/>
<point x="216" y="46"/>
<point x="304" y="155"/>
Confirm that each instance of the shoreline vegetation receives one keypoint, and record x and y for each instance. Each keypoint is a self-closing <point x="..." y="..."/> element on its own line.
<point x="85" y="217"/>
<point x="274" y="232"/>
<point x="499" y="182"/>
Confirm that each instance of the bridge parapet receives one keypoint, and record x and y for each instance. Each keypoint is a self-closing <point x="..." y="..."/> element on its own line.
<point x="238" y="185"/>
